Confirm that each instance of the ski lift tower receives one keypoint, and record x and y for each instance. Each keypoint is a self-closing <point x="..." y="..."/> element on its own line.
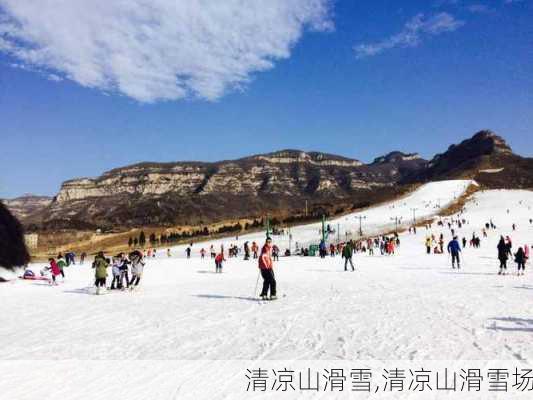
<point x="324" y="228"/>
<point x="414" y="216"/>
<point x="268" y="229"/>
<point x="361" y="218"/>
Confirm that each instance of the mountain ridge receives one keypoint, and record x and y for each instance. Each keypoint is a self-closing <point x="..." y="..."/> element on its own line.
<point x="278" y="182"/>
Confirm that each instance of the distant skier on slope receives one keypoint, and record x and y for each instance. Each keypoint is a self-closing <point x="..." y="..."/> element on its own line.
<point x="246" y="251"/>
<point x="255" y="249"/>
<point x="454" y="249"/>
<point x="347" y="254"/>
<point x="429" y="243"/>
<point x="266" y="266"/>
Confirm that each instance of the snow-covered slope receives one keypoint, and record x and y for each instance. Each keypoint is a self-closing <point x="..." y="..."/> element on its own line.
<point x="427" y="201"/>
<point x="410" y="306"/>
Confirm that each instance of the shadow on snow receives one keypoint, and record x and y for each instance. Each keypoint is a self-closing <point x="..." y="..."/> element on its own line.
<point x="512" y="324"/>
<point x="221" y="297"/>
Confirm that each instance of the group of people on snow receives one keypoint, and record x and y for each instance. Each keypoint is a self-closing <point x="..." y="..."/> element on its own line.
<point x="504" y="248"/>
<point x="120" y="267"/>
<point x="127" y="269"/>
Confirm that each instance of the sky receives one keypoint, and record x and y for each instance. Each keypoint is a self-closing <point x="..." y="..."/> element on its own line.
<point x="89" y="86"/>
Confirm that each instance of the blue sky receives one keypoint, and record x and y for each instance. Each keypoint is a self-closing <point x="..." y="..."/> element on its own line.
<point x="356" y="78"/>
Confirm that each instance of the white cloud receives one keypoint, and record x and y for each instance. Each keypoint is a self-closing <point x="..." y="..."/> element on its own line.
<point x="153" y="50"/>
<point x="412" y="34"/>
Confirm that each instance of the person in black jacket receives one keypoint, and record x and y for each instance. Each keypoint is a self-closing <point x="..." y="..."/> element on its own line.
<point x="520" y="259"/>
<point x="503" y="252"/>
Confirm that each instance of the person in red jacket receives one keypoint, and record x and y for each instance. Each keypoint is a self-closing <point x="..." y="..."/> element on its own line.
<point x="219" y="259"/>
<point x="266" y="266"/>
<point x="54" y="269"/>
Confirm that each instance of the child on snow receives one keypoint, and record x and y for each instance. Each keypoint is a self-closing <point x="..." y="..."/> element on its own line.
<point x="219" y="259"/>
<point x="117" y="263"/>
<point x="520" y="259"/>
<point x="54" y="269"/>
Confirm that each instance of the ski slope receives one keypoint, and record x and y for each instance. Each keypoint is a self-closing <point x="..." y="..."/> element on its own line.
<point x="189" y="333"/>
<point x="427" y="201"/>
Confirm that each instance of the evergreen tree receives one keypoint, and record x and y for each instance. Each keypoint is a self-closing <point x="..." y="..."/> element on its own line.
<point x="142" y="238"/>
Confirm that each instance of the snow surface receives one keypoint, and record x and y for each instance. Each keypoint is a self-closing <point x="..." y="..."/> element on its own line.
<point x="186" y="320"/>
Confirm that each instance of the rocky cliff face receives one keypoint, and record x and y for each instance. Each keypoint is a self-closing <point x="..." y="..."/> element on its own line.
<point x="199" y="193"/>
<point x="287" y="172"/>
<point x="174" y="193"/>
<point x="24" y="206"/>
<point x="482" y="155"/>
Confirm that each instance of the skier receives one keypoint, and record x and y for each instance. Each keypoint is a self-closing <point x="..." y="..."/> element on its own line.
<point x="520" y="259"/>
<point x="202" y="253"/>
<point x="267" y="272"/>
<point x="255" y="249"/>
<point x="188" y="251"/>
<point x="137" y="266"/>
<point x="169" y="254"/>
<point x="100" y="265"/>
<point x="82" y="257"/>
<point x="428" y="245"/>
<point x="454" y="249"/>
<point x="246" y="251"/>
<point x="347" y="254"/>
<point x="219" y="259"/>
<point x="212" y="250"/>
<point x="502" y="255"/>
<point x="322" y="249"/>
<point x="275" y="253"/>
